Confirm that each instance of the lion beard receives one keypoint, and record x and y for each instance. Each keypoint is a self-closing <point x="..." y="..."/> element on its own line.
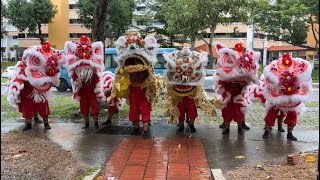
<point x="84" y="74"/>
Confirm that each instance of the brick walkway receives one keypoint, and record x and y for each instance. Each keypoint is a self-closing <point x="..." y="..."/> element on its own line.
<point x="158" y="159"/>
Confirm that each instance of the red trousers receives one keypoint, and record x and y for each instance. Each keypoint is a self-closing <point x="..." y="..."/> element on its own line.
<point x="112" y="109"/>
<point x="139" y="105"/>
<point x="187" y="107"/>
<point x="291" y="118"/>
<point x="233" y="112"/>
<point x="28" y="107"/>
<point x="88" y="104"/>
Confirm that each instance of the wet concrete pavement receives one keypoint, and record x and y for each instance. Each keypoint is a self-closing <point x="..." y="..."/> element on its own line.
<point x="94" y="149"/>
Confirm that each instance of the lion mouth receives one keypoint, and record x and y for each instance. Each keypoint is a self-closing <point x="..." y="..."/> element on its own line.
<point x="183" y="89"/>
<point x="44" y="87"/>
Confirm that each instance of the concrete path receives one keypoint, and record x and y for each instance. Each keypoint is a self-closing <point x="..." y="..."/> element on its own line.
<point x="224" y="152"/>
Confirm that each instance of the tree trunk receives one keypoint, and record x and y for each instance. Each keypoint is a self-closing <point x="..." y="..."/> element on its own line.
<point x="314" y="34"/>
<point x="40" y="34"/>
<point x="211" y="63"/>
<point x="193" y="41"/>
<point x="99" y="18"/>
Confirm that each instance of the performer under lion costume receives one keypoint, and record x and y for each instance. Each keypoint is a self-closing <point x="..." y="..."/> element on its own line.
<point x="89" y="83"/>
<point x="236" y="70"/>
<point x="184" y="78"/>
<point x="135" y="79"/>
<point x="287" y="86"/>
<point x="29" y="88"/>
<point x="255" y="94"/>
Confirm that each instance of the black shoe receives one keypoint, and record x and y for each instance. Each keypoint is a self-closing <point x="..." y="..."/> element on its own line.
<point x="86" y="125"/>
<point x="280" y="129"/>
<point x="244" y="126"/>
<point x="107" y="122"/>
<point x="136" y="131"/>
<point x="47" y="126"/>
<point x="221" y="126"/>
<point x="37" y="120"/>
<point x="180" y="130"/>
<point x="192" y="128"/>
<point x="265" y="135"/>
<point x="96" y="125"/>
<point x="240" y="132"/>
<point x="145" y="134"/>
<point x="187" y="121"/>
<point x="226" y="131"/>
<point x="27" y="127"/>
<point x="290" y="136"/>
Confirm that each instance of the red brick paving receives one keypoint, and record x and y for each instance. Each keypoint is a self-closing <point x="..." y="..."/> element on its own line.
<point x="158" y="159"/>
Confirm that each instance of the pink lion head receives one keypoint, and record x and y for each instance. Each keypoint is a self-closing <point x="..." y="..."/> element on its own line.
<point x="288" y="82"/>
<point x="237" y="65"/>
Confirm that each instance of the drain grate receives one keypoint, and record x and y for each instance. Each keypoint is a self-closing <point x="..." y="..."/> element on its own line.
<point x="125" y="130"/>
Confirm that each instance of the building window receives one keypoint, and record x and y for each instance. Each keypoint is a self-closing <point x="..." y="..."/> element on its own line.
<point x="141" y="8"/>
<point x="73" y="6"/>
<point x="21" y="35"/>
<point x="74" y="21"/>
<point x="36" y="35"/>
<point x="141" y="23"/>
<point x="78" y="35"/>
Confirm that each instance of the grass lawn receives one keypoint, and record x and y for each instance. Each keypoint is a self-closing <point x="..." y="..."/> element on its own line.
<point x="315" y="76"/>
<point x="6" y="64"/>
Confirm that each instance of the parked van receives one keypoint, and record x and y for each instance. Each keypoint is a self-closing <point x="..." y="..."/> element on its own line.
<point x="111" y="65"/>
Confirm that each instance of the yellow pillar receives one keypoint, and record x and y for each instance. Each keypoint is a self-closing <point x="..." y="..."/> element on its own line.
<point x="59" y="28"/>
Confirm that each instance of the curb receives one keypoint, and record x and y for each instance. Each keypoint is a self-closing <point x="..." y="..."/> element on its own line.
<point x="217" y="174"/>
<point x="93" y="175"/>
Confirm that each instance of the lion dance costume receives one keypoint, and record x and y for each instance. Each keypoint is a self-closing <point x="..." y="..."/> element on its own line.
<point x="29" y="87"/>
<point x="287" y="85"/>
<point x="236" y="70"/>
<point x="184" y="78"/>
<point x="135" y="79"/>
<point x="89" y="83"/>
<point x="255" y="94"/>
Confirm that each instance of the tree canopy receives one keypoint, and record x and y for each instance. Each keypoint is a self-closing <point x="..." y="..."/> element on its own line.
<point x="30" y="15"/>
<point x="3" y="14"/>
<point x="286" y="20"/>
<point x="117" y="20"/>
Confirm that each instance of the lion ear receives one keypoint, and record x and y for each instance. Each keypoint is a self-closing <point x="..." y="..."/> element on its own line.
<point x="120" y="44"/>
<point x="219" y="46"/>
<point x="70" y="48"/>
<point x="151" y="45"/>
<point x="33" y="57"/>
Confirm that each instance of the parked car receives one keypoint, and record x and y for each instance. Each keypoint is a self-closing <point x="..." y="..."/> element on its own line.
<point x="208" y="80"/>
<point x="111" y="65"/>
<point x="8" y="72"/>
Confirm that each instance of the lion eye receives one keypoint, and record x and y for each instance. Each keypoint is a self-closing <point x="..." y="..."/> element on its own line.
<point x="150" y="48"/>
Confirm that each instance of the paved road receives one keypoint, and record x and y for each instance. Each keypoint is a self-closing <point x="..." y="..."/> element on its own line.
<point x="93" y="149"/>
<point x="314" y="96"/>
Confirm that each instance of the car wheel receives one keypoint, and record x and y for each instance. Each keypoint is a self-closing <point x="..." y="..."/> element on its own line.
<point x="63" y="86"/>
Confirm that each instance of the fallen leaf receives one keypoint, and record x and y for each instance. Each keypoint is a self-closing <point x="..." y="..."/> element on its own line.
<point x="22" y="151"/>
<point x="259" y="167"/>
<point x="310" y="159"/>
<point x="240" y="157"/>
<point x="203" y="171"/>
<point x="18" y="155"/>
<point x="268" y="177"/>
<point x="99" y="178"/>
<point x="257" y="148"/>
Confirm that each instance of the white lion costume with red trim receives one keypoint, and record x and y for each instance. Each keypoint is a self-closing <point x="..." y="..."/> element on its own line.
<point x="235" y="66"/>
<point x="84" y="55"/>
<point x="40" y="66"/>
<point x="184" y="76"/>
<point x="287" y="84"/>
<point x="255" y="92"/>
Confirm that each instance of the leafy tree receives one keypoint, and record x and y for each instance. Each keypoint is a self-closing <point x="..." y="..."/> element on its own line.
<point x="117" y="19"/>
<point x="201" y="14"/>
<point x="313" y="18"/>
<point x="31" y="15"/>
<point x="99" y="16"/>
<point x="286" y="20"/>
<point x="3" y="14"/>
